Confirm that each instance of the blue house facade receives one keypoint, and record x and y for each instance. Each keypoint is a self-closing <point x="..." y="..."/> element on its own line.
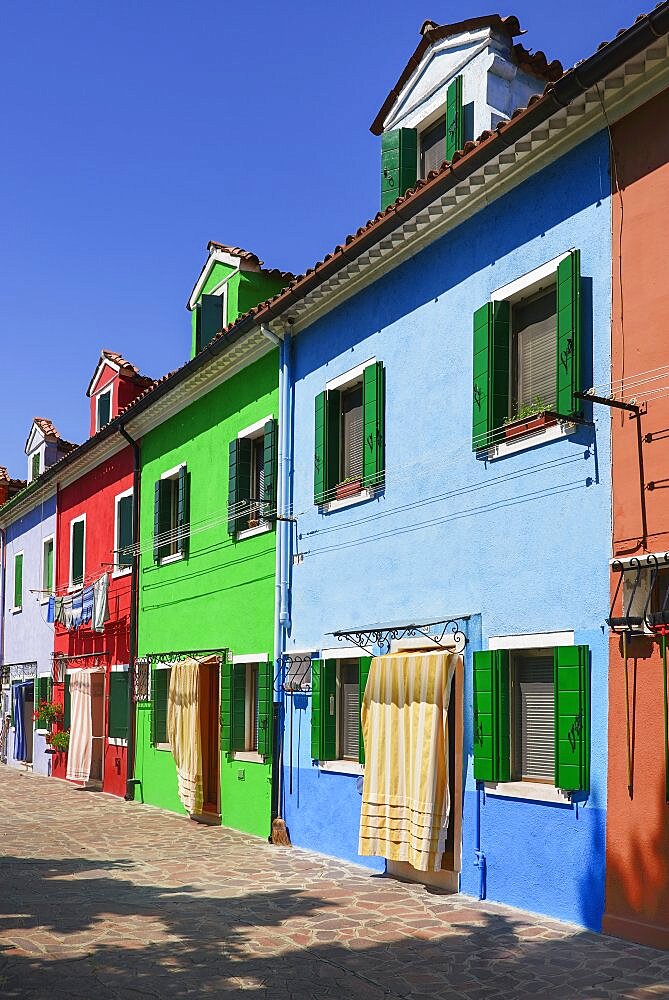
<point x="507" y="535"/>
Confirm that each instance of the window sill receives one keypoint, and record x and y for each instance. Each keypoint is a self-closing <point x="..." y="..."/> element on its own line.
<point x="261" y="529"/>
<point x="333" y="505"/>
<point x="15" y="611"/>
<point x="341" y="767"/>
<point x="529" y="439"/>
<point x="117" y="741"/>
<point x="531" y="791"/>
<point x="177" y="557"/>
<point x="248" y="756"/>
<point x="162" y="746"/>
<point x="122" y="572"/>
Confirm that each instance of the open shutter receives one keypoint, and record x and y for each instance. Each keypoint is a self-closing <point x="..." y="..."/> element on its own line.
<point x="364" y="664"/>
<point x="226" y="706"/>
<point x="125" y="533"/>
<point x="323" y="710"/>
<point x="161" y="518"/>
<point x="209" y="319"/>
<point x="373" y="450"/>
<point x="455" y="127"/>
<point x="35" y="466"/>
<point x="18" y="581"/>
<point x="265" y="708"/>
<point x="117" y="725"/>
<point x="399" y="163"/>
<point x="238" y="707"/>
<point x="47" y="581"/>
<point x="239" y="484"/>
<point x="270" y="468"/>
<point x="491" y="356"/>
<point x="316" y="681"/>
<point x="326" y="447"/>
<point x="572" y="717"/>
<point x="66" y="702"/>
<point x="568" y="333"/>
<point x="183" y="510"/>
<point x="492" y="724"/>
<point x="159" y="691"/>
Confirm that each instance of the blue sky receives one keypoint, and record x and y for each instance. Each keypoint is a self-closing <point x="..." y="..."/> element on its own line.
<point x="134" y="132"/>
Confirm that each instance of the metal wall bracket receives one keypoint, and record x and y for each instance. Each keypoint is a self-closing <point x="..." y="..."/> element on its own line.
<point x="382" y="636"/>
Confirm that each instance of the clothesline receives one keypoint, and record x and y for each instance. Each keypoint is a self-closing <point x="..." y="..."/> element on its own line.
<point x="87" y="604"/>
<point x="65" y="588"/>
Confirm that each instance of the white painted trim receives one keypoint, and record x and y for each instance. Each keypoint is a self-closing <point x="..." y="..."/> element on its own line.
<point x="642" y="557"/>
<point x="171" y="473"/>
<point x="248" y="756"/>
<point x="531" y="791"/>
<point x="119" y="668"/>
<point x="424" y="645"/>
<point x="342" y="653"/>
<point x="75" y="520"/>
<point x="108" y="390"/>
<point x="217" y="256"/>
<point x="253" y="429"/>
<point x="44" y="596"/>
<point x="116" y="741"/>
<point x="162" y="746"/>
<point x="333" y="505"/>
<point x="251" y="658"/>
<point x="160" y="666"/>
<point x="350" y="376"/>
<point x="531" y="282"/>
<point x="542" y="435"/>
<point x="177" y="557"/>
<point x="312" y="652"/>
<point x="102" y="363"/>
<point x="341" y="767"/>
<point x="261" y="529"/>
<point x="116" y="572"/>
<point x="531" y="640"/>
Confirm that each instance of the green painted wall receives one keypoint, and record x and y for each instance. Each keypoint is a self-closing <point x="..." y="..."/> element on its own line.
<point x="245" y="290"/>
<point x="222" y="595"/>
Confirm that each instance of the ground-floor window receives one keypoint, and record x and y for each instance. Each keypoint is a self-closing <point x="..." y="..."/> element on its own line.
<point x="337" y="689"/>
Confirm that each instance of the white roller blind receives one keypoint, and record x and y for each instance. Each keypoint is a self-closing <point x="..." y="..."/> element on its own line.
<point x="535" y="337"/>
<point x="534" y="717"/>
<point x="349" y="707"/>
<point x="351" y="415"/>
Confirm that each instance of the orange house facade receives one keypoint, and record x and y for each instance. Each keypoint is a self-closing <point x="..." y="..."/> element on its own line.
<point x="637" y="880"/>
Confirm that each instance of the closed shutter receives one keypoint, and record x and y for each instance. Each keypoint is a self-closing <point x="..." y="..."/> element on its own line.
<point x="183" y="510"/>
<point x="327" y="435"/>
<point x="18" y="581"/>
<point x="161" y="519"/>
<point x="43" y="693"/>
<point x="239" y="484"/>
<point x="270" y="468"/>
<point x="323" y="710"/>
<point x="238" y="707"/>
<point x="364" y="664"/>
<point x="226" y="707"/>
<point x="534" y="710"/>
<point x="455" y="131"/>
<point x="399" y="163"/>
<point x="265" y="708"/>
<point x="66" y="702"/>
<point x="104" y="409"/>
<point x="491" y="715"/>
<point x="35" y="466"/>
<point x="125" y="533"/>
<point x="160" y="683"/>
<point x="209" y="319"/>
<point x="490" y="400"/>
<point x="534" y="331"/>
<point x="568" y="333"/>
<point x="572" y="717"/>
<point x="117" y="725"/>
<point x="374" y="426"/>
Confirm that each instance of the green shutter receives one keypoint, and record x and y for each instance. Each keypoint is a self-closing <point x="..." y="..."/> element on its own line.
<point x="492" y="721"/>
<point x="43" y="692"/>
<point x="47" y="569"/>
<point x="327" y="443"/>
<point x="18" y="580"/>
<point x="364" y="664"/>
<point x="568" y="333"/>
<point x="571" y="665"/>
<point x="373" y="415"/>
<point x="491" y="359"/>
<point x="239" y="484"/>
<point x="320" y="471"/>
<point x="455" y="119"/>
<point x="209" y="319"/>
<point x="265" y="708"/>
<point x="161" y="518"/>
<point x="238" y="706"/>
<point x="270" y="468"/>
<point x="35" y="466"/>
<point x="125" y="533"/>
<point x="324" y="709"/>
<point x="117" y="723"/>
<point x="183" y="510"/>
<point x="66" y="702"/>
<point x="159" y="692"/>
<point x="399" y="163"/>
<point x="104" y="409"/>
<point x="226" y="707"/>
<point x="78" y="529"/>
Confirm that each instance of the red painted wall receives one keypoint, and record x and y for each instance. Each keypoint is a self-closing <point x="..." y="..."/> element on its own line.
<point x="637" y="884"/>
<point x="94" y="495"/>
<point x="124" y="392"/>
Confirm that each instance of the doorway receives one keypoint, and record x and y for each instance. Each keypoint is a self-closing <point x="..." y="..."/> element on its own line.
<point x="209" y="735"/>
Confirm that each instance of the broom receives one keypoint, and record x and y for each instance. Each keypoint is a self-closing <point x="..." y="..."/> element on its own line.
<point x="280" y="836"/>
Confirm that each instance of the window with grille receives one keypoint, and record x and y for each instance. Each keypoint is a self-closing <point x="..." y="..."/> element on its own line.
<point x="534" y="361"/>
<point x="533" y="716"/>
<point x="351" y="433"/>
<point x="433" y="147"/>
<point x="349" y="711"/>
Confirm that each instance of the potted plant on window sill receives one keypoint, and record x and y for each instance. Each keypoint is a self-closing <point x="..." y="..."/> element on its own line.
<point x="58" y="742"/>
<point x="350" y="487"/>
<point x="529" y="417"/>
<point x="46" y="713"/>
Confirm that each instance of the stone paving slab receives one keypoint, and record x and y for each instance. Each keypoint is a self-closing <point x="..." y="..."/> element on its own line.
<point x="106" y="900"/>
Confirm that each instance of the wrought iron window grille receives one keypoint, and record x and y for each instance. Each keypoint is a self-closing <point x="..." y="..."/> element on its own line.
<point x="633" y="620"/>
<point x="297" y="673"/>
<point x="382" y="636"/>
<point x="17" y="672"/>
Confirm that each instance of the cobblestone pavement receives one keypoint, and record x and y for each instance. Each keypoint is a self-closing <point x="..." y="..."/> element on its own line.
<point x="104" y="899"/>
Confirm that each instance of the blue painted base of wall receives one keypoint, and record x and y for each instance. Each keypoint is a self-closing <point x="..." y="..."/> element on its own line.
<point x="323" y="814"/>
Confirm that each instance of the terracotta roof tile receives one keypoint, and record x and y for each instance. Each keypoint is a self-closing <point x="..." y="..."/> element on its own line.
<point x="51" y="434"/>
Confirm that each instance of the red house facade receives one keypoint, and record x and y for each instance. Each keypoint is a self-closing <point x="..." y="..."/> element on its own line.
<point x="94" y="532"/>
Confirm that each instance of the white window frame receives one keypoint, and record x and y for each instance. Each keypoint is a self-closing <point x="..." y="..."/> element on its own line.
<point x="342" y="382"/>
<point x="17" y="609"/>
<point x="339" y="705"/>
<point x="253" y="432"/>
<point x="174" y="475"/>
<point x="250" y="660"/>
<point x="125" y="570"/>
<point x="158" y="666"/>
<point x="44" y="595"/>
<point x="107" y="391"/>
<point x="75" y="520"/>
<point x="342" y="765"/>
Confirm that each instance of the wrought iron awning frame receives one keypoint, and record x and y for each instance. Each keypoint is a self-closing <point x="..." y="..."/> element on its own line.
<point x="64" y="660"/>
<point x="383" y="636"/>
<point x="174" y="656"/>
<point x="25" y="670"/>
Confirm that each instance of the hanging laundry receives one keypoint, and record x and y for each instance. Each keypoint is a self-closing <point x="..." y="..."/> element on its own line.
<point x="87" y="605"/>
<point x="67" y="614"/>
<point x="51" y="610"/>
<point x="81" y="726"/>
<point x="58" y="611"/>
<point x="183" y="732"/>
<point x="100" y="603"/>
<point x="77" y="609"/>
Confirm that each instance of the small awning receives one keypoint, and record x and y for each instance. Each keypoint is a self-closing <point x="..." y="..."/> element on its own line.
<point x="436" y="631"/>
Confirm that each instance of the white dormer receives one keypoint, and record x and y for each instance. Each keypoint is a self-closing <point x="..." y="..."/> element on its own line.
<point x="462" y="80"/>
<point x="44" y="447"/>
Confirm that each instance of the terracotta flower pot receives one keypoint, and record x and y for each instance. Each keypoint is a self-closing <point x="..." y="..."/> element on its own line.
<point x="527" y="424"/>
<point x="345" y="490"/>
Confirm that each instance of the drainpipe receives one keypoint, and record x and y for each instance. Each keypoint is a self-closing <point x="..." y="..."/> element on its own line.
<point x="478" y="853"/>
<point x="130" y="780"/>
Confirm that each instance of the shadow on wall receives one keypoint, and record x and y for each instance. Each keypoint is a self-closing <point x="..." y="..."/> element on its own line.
<point x="120" y="938"/>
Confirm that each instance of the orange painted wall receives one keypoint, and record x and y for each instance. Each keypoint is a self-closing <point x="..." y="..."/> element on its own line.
<point x="637" y="883"/>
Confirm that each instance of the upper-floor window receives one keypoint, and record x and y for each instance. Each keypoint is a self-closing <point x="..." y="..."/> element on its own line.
<point x="77" y="550"/>
<point x="534" y="357"/>
<point x="124" y="537"/>
<point x="35" y="463"/>
<point x="47" y="566"/>
<point x="171" y="526"/>
<point x="18" y="581"/>
<point x="433" y="147"/>
<point x="103" y="408"/>
<point x="252" y="476"/>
